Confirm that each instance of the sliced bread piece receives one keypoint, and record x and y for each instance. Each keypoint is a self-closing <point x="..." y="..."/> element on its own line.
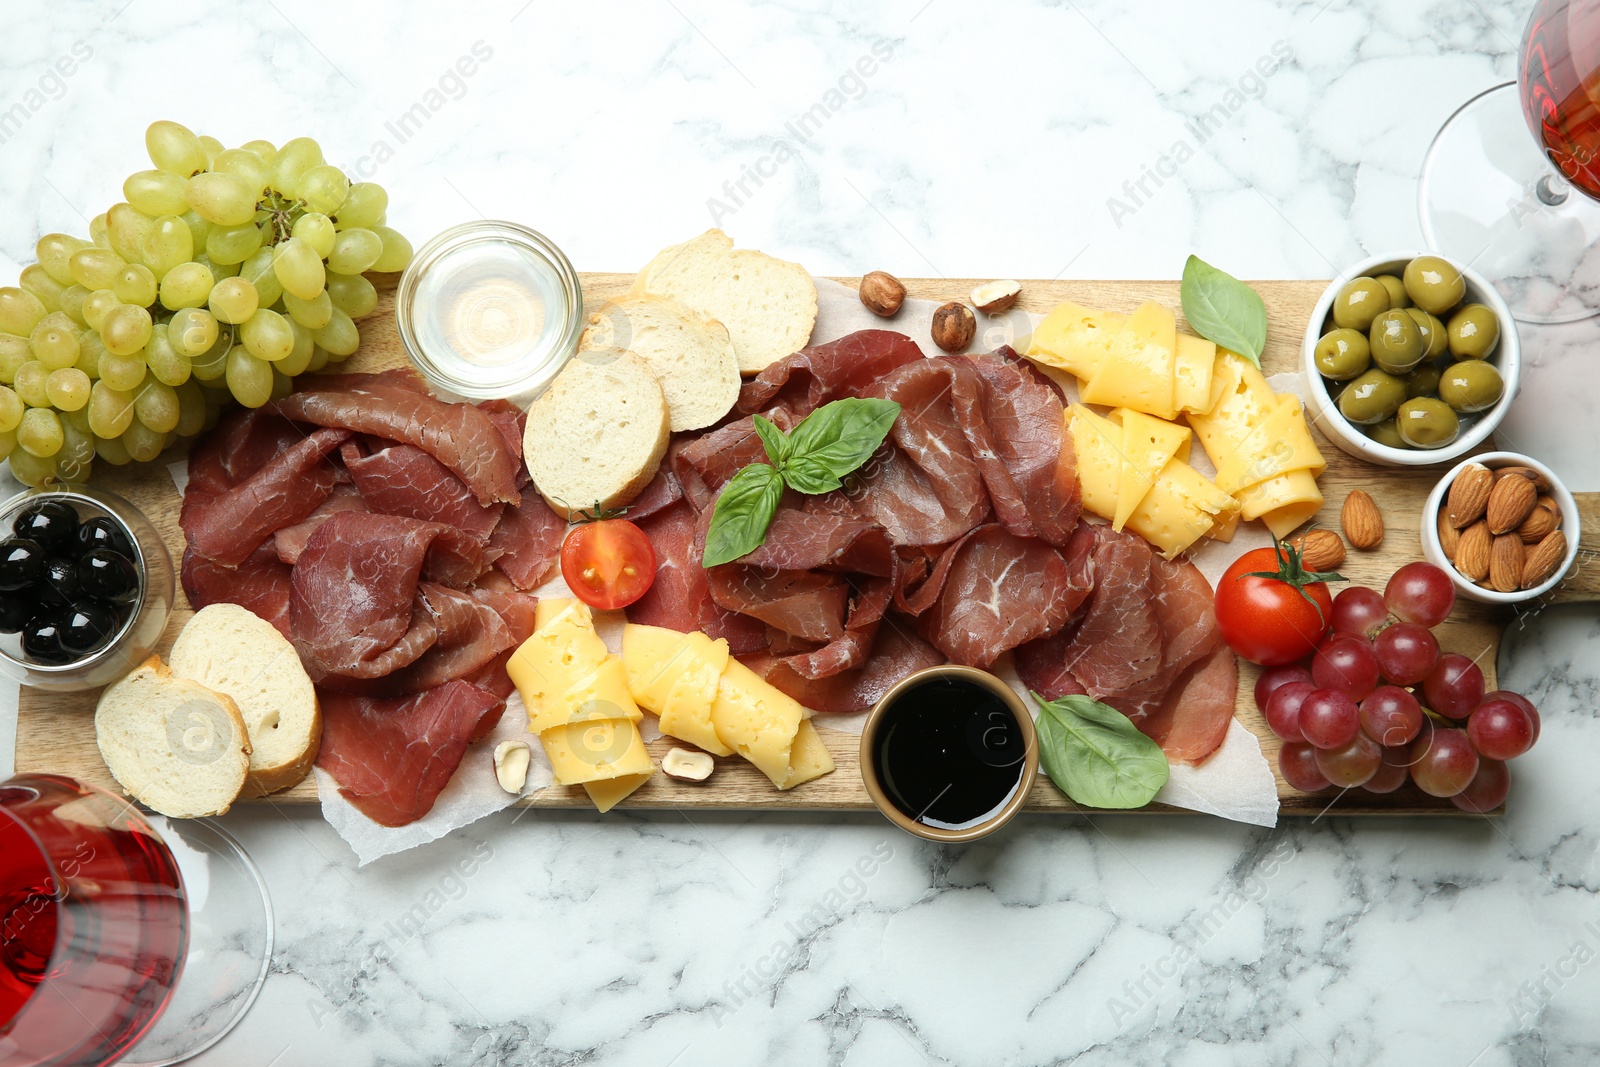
<point x="233" y="651"/>
<point x="597" y="435"/>
<point x="768" y="305"/>
<point x="690" y="354"/>
<point x="172" y="744"/>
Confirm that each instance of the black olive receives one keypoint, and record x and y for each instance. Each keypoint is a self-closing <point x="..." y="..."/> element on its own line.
<point x="52" y="523"/>
<point x="102" y="531"/>
<point x="87" y="628"/>
<point x="41" y="641"/>
<point x="60" y="583"/>
<point x="108" y="575"/>
<point x="21" y="564"/>
<point x="15" y="611"/>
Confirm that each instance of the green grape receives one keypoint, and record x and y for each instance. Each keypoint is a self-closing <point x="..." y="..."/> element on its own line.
<point x="112" y="451"/>
<point x="282" y="384"/>
<point x="20" y="311"/>
<point x="299" y="268"/>
<point x="72" y="298"/>
<point x="299" y="358"/>
<point x="40" y="432"/>
<point x="246" y="166"/>
<point x="211" y="364"/>
<point x="45" y="289"/>
<point x="396" y="251"/>
<point x="96" y="268"/>
<point x="319" y="359"/>
<point x="156" y="405"/>
<point x="123" y="373"/>
<point x="218" y="271"/>
<point x="191" y="409"/>
<point x="31" y="470"/>
<point x="340" y="336"/>
<point x="98" y="238"/>
<point x="199" y="228"/>
<point x="155" y="192"/>
<point x="14" y="352"/>
<point x="29" y="384"/>
<point x="315" y="230"/>
<point x="363" y="206"/>
<point x="90" y="351"/>
<point x="76" y="458"/>
<point x="212" y="148"/>
<point x="97" y="306"/>
<point x="294" y="159"/>
<point x="67" y="388"/>
<point x="11" y="409"/>
<point x="267" y="335"/>
<point x="127" y="229"/>
<point x="110" y="410"/>
<point x="264" y="149"/>
<point x="55" y="255"/>
<point x="143" y="443"/>
<point x="79" y="419"/>
<point x="8" y="442"/>
<point x="136" y="284"/>
<point x="55" y="341"/>
<point x="168" y="244"/>
<point x="234" y="300"/>
<point x="164" y="361"/>
<point x="232" y="244"/>
<point x="126" y="330"/>
<point x="312" y="313"/>
<point x="187" y="285"/>
<point x="355" y="251"/>
<point x="352" y="294"/>
<point x="323" y="188"/>
<point x="257" y="270"/>
<point x="221" y="199"/>
<point x="249" y="378"/>
<point x="174" y="149"/>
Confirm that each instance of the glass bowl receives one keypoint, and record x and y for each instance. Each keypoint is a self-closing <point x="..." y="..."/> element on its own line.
<point x="140" y="631"/>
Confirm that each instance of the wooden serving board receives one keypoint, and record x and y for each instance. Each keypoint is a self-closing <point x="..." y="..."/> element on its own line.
<point x="55" y="732"/>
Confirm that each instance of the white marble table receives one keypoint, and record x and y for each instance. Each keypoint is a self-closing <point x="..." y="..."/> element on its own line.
<point x="949" y="139"/>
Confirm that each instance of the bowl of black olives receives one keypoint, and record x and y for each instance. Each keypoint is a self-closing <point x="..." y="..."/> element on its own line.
<point x="85" y="588"/>
<point x="1410" y="359"/>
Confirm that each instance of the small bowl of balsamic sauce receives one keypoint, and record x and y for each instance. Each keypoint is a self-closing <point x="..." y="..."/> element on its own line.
<point x="949" y="754"/>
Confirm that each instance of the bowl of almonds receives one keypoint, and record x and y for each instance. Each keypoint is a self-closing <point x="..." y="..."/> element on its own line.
<point x="1503" y="526"/>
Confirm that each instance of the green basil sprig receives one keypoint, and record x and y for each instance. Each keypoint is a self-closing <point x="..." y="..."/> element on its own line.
<point x="814" y="457"/>
<point x="1223" y="309"/>
<point x="1095" y="755"/>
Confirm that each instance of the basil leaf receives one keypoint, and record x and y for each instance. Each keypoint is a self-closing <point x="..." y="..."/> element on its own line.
<point x="810" y="476"/>
<point x="774" y="440"/>
<point x="1095" y="755"/>
<point x="837" y="438"/>
<point x="1223" y="309"/>
<point x="743" y="511"/>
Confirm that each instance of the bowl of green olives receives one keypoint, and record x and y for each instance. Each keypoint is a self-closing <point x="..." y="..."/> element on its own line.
<point x="1410" y="360"/>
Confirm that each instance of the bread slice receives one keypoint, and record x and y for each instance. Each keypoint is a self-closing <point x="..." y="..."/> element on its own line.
<point x="690" y="354"/>
<point x="232" y="651"/>
<point x="597" y="435"/>
<point x="172" y="744"/>
<point x="768" y="305"/>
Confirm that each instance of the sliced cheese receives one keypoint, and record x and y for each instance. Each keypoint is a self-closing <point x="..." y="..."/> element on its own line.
<point x="562" y="649"/>
<point x="1098" y="444"/>
<point x="687" y="712"/>
<point x="1241" y="400"/>
<point x="1147" y="444"/>
<point x="1226" y="527"/>
<point x="608" y="794"/>
<point x="654" y="656"/>
<point x="1180" y="508"/>
<point x="1280" y="443"/>
<point x="1191" y="374"/>
<point x="1075" y="338"/>
<point x="1138" y="370"/>
<point x="601" y="694"/>
<point x="756" y="720"/>
<point x="809" y="758"/>
<point x="1283" y="502"/>
<point x="594" y="751"/>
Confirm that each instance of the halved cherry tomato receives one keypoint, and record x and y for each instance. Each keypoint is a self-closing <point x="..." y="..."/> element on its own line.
<point x="1270" y="610"/>
<point x="608" y="564"/>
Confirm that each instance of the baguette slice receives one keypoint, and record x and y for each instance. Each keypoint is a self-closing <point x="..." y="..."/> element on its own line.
<point x="172" y="744"/>
<point x="768" y="305"/>
<point x="690" y="354"/>
<point x="598" y="433"/>
<point x="233" y="651"/>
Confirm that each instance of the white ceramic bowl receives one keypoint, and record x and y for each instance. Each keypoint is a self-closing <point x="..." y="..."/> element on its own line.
<point x="1433" y="551"/>
<point x="1507" y="357"/>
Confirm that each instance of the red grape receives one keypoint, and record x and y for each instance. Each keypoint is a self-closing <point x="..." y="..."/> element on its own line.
<point x="1359" y="611"/>
<point x="1347" y="664"/>
<point x="1350" y="765"/>
<point x="1298" y="764"/>
<point x="1406" y="652"/>
<point x="1421" y="593"/>
<point x="1329" y="718"/>
<point x="1454" y="687"/>
<point x="1283" y="710"/>
<point x="1487" y="790"/>
<point x="1391" y="715"/>
<point x="1500" y="730"/>
<point x="1443" y="762"/>
<point x="1522" y="702"/>
<point x="1393" y="771"/>
<point x="1274" y="677"/>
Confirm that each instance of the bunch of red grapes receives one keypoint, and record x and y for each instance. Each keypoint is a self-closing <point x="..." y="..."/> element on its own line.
<point x="1355" y="716"/>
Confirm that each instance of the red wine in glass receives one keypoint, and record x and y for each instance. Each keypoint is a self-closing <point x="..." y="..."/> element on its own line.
<point x="1559" y="83"/>
<point x="93" y="923"/>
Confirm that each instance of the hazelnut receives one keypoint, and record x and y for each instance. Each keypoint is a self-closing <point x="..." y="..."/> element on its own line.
<point x="992" y="298"/>
<point x="882" y="294"/>
<point x="511" y="761"/>
<point x="954" y="326"/>
<point x="686" y="765"/>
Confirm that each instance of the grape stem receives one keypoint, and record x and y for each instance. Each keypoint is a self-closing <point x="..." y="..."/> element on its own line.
<point x="282" y="212"/>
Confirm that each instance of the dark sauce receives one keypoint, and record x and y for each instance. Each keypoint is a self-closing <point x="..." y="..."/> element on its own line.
<point x="949" y="753"/>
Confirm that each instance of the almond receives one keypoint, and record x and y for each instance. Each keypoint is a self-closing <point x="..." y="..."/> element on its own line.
<point x="1540" y="482"/>
<point x="1548" y="503"/>
<point x="1320" y="550"/>
<point x="1472" y="553"/>
<point x="1537" y="526"/>
<point x="1505" y="563"/>
<point x="1469" y="495"/>
<point x="1449" y="536"/>
<point x="1509" y="503"/>
<point x="1543" y="559"/>
<point x="1362" y="522"/>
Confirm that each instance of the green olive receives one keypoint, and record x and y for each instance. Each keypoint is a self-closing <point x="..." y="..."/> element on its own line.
<point x="1426" y="422"/>
<point x="1358" y="303"/>
<point x="1434" y="284"/>
<point x="1335" y="389"/>
<point x="1471" y="385"/>
<point x="1423" y="380"/>
<point x="1396" y="342"/>
<point x="1396" y="288"/>
<point x="1384" y="433"/>
<point x="1432" y="330"/>
<point x="1342" y="354"/>
<point x="1473" y="332"/>
<point x="1372" y="397"/>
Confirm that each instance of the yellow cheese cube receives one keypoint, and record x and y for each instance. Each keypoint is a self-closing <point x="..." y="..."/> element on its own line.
<point x="1098" y="444"/>
<point x="1075" y="338"/>
<point x="1191" y="373"/>
<point x="601" y="694"/>
<point x="686" y="714"/>
<point x="595" y="751"/>
<point x="1180" y="508"/>
<point x="562" y="649"/>
<point x="1280" y="443"/>
<point x="1283" y="502"/>
<point x="1147" y="444"/>
<point x="1241" y="400"/>
<point x="608" y="794"/>
<point x="1138" y="371"/>
<point x="809" y="758"/>
<point x="756" y="720"/>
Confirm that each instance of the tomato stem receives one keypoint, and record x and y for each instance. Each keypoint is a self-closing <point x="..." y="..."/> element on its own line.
<point x="1292" y="572"/>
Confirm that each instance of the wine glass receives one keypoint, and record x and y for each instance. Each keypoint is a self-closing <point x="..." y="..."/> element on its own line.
<point x="123" y="937"/>
<point x="1523" y="211"/>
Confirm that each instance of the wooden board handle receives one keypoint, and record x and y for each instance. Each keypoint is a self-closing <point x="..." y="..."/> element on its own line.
<point x="1582" y="583"/>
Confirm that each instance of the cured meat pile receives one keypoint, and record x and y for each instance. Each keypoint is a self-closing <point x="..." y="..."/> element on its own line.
<point x="385" y="533"/>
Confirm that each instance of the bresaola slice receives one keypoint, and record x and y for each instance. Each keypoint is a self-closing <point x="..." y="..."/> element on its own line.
<point x="405" y="480"/>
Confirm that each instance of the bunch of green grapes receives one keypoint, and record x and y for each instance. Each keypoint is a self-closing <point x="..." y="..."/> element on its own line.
<point x="225" y="273"/>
